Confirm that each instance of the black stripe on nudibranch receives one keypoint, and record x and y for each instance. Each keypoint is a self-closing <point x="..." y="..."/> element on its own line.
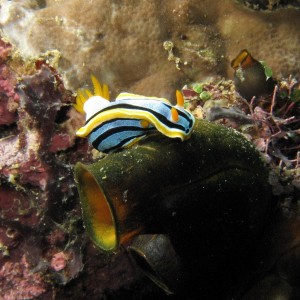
<point x="122" y="143"/>
<point x="157" y="115"/>
<point x="102" y="124"/>
<point x="110" y="132"/>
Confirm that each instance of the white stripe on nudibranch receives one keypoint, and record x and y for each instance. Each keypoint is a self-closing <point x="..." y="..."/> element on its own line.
<point x="113" y="125"/>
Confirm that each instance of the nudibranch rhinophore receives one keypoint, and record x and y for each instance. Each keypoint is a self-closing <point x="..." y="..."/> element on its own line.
<point x="251" y="77"/>
<point x="113" y="125"/>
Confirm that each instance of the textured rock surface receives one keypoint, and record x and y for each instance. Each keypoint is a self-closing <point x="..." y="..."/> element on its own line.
<point x="41" y="235"/>
<point x="42" y="241"/>
<point x="122" y="42"/>
<point x="270" y="4"/>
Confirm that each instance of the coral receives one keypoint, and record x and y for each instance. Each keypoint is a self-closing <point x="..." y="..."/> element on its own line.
<point x="17" y="281"/>
<point x="22" y="155"/>
<point x="9" y="99"/>
<point x="28" y="173"/>
<point x="270" y="4"/>
<point x="271" y="122"/>
<point x="5" y="49"/>
<point x="39" y="212"/>
<point x="59" y="261"/>
<point x="204" y="40"/>
<point x="42" y="242"/>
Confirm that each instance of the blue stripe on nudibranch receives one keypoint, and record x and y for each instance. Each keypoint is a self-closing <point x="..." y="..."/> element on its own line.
<point x="118" y="124"/>
<point x="117" y="133"/>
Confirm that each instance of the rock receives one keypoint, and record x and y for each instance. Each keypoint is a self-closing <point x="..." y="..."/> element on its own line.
<point x="42" y="240"/>
<point x="122" y="43"/>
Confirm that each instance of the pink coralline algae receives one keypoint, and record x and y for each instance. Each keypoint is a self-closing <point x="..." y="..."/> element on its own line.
<point x="37" y="187"/>
<point x="17" y="281"/>
<point x="42" y="241"/>
<point x="26" y="154"/>
<point x="5" y="50"/>
<point x="8" y="97"/>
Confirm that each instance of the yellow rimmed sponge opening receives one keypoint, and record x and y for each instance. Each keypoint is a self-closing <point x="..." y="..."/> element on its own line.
<point x="97" y="213"/>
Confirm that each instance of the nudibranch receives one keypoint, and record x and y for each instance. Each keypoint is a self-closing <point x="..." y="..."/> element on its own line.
<point x="251" y="77"/>
<point x="113" y="125"/>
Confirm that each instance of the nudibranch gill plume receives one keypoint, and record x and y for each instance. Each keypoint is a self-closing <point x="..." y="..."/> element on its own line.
<point x="118" y="124"/>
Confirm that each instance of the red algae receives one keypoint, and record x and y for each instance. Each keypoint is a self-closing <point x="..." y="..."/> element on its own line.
<point x="9" y="98"/>
<point x="44" y="251"/>
<point x="17" y="281"/>
<point x="42" y="241"/>
<point x="31" y="130"/>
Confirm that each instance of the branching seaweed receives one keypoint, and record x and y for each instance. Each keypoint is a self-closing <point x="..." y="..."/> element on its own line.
<point x="271" y="122"/>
